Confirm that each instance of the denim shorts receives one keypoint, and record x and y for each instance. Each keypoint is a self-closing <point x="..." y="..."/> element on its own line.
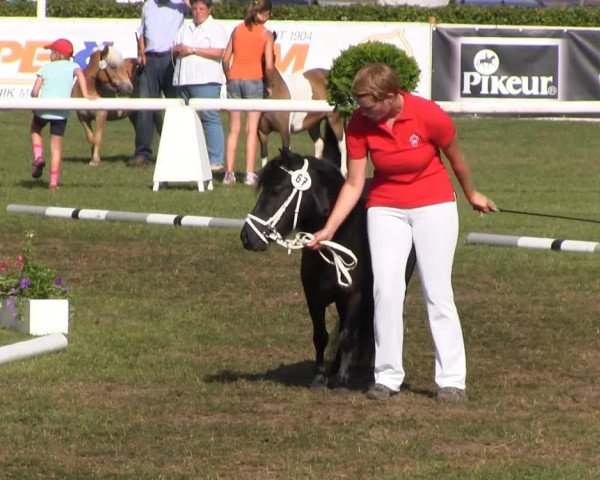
<point x="245" y="89"/>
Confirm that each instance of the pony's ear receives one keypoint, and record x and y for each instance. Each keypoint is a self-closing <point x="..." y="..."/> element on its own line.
<point x="285" y="152"/>
<point x="293" y="160"/>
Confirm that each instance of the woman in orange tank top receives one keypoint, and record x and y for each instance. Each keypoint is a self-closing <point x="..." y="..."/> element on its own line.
<point x="247" y="60"/>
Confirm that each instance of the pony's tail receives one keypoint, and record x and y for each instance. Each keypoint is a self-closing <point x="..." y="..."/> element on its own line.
<point x="331" y="149"/>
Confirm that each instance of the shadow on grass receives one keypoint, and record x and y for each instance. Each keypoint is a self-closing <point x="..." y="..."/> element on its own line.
<point x="30" y="184"/>
<point x="104" y="159"/>
<point x="297" y="374"/>
<point x="42" y="184"/>
<point x="300" y="374"/>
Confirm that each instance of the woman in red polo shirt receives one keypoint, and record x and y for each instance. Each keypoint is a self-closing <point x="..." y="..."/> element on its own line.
<point x="411" y="200"/>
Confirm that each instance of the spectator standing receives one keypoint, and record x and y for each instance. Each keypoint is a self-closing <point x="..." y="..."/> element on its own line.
<point x="410" y="200"/>
<point x="54" y="80"/>
<point x="199" y="47"/>
<point x="247" y="61"/>
<point x="161" y="20"/>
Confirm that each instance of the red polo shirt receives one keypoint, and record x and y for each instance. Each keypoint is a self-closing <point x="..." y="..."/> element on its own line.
<point x="409" y="172"/>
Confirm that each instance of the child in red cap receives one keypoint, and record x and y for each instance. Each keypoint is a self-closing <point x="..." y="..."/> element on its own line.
<point x="54" y="80"/>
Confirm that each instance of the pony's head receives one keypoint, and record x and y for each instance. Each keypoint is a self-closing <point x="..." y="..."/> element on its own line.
<point x="111" y="74"/>
<point x="296" y="193"/>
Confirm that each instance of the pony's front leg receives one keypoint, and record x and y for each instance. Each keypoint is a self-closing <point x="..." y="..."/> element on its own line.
<point x="89" y="131"/>
<point x="264" y="150"/>
<point x="343" y="155"/>
<point x="100" y="123"/>
<point x="314" y="132"/>
<point x="320" y="340"/>
<point x="349" y="312"/>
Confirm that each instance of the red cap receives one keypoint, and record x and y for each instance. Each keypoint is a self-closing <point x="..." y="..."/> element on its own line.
<point x="62" y="46"/>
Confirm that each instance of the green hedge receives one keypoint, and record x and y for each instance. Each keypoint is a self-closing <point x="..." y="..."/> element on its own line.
<point x="350" y="61"/>
<point x="569" y="16"/>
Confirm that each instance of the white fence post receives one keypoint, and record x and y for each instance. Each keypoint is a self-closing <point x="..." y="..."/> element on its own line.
<point x="41" y="9"/>
<point x="182" y="155"/>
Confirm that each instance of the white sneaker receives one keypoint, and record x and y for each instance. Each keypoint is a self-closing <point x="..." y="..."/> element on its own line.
<point x="251" y="179"/>
<point x="217" y="167"/>
<point x="229" y="178"/>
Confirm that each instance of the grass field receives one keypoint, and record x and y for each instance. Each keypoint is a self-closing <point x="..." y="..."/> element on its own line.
<point x="189" y="357"/>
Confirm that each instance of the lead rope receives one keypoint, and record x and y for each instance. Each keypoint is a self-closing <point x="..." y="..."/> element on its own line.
<point x="343" y="267"/>
<point x="301" y="181"/>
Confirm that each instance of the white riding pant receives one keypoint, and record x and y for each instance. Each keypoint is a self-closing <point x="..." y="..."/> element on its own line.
<point x="434" y="231"/>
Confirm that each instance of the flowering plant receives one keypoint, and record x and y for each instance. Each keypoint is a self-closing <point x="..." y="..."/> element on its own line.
<point x="22" y="277"/>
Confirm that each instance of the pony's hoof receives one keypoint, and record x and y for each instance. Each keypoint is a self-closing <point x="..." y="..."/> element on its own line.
<point x="339" y="386"/>
<point x="94" y="162"/>
<point x="341" y="390"/>
<point x="319" y="382"/>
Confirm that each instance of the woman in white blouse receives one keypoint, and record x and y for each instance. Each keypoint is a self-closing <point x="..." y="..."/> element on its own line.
<point x="198" y="48"/>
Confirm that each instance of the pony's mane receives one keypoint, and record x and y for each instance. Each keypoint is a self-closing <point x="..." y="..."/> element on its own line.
<point x="114" y="58"/>
<point x="327" y="171"/>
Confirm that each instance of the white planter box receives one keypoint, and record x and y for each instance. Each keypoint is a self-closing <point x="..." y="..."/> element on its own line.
<point x="40" y="317"/>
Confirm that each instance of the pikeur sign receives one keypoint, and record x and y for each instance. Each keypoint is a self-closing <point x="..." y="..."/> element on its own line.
<point x="502" y="70"/>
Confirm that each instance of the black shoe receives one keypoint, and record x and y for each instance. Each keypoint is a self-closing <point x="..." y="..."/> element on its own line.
<point x="137" y="161"/>
<point x="380" y="392"/>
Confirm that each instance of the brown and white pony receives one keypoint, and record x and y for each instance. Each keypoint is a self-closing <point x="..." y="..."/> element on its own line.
<point x="309" y="85"/>
<point x="108" y="74"/>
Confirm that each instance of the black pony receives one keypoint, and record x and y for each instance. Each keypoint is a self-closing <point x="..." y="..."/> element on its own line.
<point x="298" y="193"/>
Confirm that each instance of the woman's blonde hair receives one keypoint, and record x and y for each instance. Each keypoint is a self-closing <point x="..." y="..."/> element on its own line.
<point x="256" y="7"/>
<point x="376" y="80"/>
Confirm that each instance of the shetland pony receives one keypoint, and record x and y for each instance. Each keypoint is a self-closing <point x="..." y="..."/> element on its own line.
<point x="108" y="74"/>
<point x="277" y="213"/>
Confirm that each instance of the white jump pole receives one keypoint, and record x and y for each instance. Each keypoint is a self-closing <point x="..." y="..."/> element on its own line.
<point x="533" y="242"/>
<point x="526" y="107"/>
<point x="119" y="216"/>
<point x="267" y="105"/>
<point x="33" y="347"/>
<point x="85" y="104"/>
<point x="163" y="104"/>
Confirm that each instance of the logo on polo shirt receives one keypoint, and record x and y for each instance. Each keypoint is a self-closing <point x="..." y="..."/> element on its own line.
<point x="414" y="139"/>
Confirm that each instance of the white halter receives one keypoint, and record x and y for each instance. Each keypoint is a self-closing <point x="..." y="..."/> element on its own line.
<point x="301" y="182"/>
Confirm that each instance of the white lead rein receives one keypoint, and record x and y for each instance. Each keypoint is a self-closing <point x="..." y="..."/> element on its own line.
<point x="343" y="267"/>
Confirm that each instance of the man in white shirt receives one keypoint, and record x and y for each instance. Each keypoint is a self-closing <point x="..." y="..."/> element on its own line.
<point x="198" y="48"/>
<point x="161" y="20"/>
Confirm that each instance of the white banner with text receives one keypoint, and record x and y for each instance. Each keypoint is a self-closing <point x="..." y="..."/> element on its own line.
<point x="300" y="46"/>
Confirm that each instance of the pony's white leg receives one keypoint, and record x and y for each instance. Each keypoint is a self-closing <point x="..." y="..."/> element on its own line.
<point x="343" y="155"/>
<point x="319" y="146"/>
<point x="263" y="136"/>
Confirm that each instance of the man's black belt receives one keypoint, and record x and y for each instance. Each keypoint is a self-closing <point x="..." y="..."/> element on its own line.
<point x="157" y="54"/>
